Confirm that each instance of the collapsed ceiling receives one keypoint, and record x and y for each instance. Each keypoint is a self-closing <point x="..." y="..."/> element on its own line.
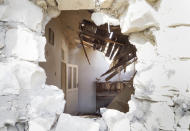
<point x="109" y="40"/>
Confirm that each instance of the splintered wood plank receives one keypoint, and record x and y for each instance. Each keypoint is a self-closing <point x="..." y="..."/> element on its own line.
<point x="103" y="46"/>
<point x="86" y="39"/>
<point x="89" y="34"/>
<point x="84" y="50"/>
<point x="110" y="46"/>
<point x="120" y="64"/>
<point x="111" y="75"/>
<point x="114" y="50"/>
<point x="118" y="46"/>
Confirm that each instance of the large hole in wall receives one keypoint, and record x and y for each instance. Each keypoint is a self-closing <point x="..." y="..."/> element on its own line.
<point x="66" y="67"/>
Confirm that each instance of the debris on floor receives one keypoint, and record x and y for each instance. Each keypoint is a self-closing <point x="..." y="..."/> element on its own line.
<point x="67" y="122"/>
<point x="114" y="95"/>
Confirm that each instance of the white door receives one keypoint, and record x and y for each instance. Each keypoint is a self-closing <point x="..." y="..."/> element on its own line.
<point x="71" y="91"/>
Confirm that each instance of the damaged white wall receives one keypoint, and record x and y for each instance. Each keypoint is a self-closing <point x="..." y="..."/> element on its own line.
<point x="26" y="103"/>
<point x="159" y="30"/>
<point x="65" y="28"/>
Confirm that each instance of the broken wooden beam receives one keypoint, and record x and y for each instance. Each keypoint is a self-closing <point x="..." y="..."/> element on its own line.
<point x="112" y="42"/>
<point x="84" y="49"/>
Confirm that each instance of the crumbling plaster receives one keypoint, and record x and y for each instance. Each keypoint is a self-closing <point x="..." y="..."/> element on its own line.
<point x="159" y="31"/>
<point x="161" y="99"/>
<point x="26" y="102"/>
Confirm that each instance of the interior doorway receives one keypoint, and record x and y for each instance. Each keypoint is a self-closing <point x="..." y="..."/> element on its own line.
<point x="69" y="83"/>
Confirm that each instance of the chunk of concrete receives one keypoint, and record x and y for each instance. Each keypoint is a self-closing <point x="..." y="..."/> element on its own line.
<point x="146" y="112"/>
<point x="182" y="110"/>
<point x="101" y="18"/>
<point x="103" y="126"/>
<point x="46" y="105"/>
<point x="138" y="17"/>
<point x="34" y="76"/>
<point x="8" y="110"/>
<point x="67" y="122"/>
<point x="22" y="43"/>
<point x="122" y="125"/>
<point x="138" y="126"/>
<point x="8" y="81"/>
<point x="20" y="11"/>
<point x="25" y="98"/>
<point x="111" y="117"/>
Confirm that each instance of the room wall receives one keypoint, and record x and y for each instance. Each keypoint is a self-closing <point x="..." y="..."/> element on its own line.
<point x="74" y="54"/>
<point x="87" y="76"/>
<point x="89" y="73"/>
<point x="53" y="54"/>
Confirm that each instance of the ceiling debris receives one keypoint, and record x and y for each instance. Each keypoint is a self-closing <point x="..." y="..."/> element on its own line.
<point x="109" y="40"/>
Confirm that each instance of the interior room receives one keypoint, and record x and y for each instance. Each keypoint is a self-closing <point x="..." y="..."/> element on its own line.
<point x="79" y="76"/>
<point x="94" y="65"/>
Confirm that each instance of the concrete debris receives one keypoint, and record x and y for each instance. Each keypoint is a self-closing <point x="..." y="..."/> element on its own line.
<point x="111" y="117"/>
<point x="133" y="16"/>
<point x="103" y="126"/>
<point x="101" y="18"/>
<point x="22" y="43"/>
<point x="67" y="122"/>
<point x="161" y="99"/>
<point x="27" y="103"/>
<point x="30" y="100"/>
<point x="18" y="12"/>
<point x="138" y="17"/>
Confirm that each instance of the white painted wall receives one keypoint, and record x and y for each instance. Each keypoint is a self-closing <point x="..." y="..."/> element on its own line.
<point x="89" y="73"/>
<point x="87" y="76"/>
<point x="52" y="65"/>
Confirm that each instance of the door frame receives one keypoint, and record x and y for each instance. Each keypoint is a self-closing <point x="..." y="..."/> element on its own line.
<point x="67" y="89"/>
